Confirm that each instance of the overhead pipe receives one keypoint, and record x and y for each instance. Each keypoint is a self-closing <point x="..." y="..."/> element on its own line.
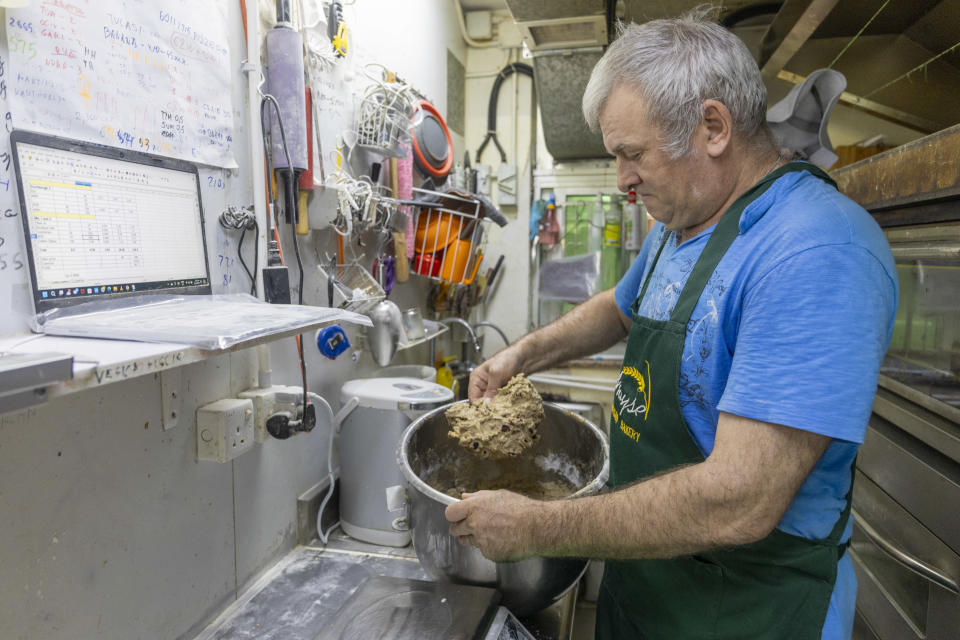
<point x="463" y="30"/>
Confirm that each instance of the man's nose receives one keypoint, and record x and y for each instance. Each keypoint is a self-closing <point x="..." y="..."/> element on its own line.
<point x="627" y="178"/>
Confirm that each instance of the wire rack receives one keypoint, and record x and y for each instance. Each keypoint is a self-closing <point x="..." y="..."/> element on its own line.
<point x="352" y="287"/>
<point x="382" y="115"/>
<point x="448" y="236"/>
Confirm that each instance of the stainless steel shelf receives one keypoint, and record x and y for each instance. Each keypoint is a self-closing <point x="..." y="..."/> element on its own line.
<point x="433" y="331"/>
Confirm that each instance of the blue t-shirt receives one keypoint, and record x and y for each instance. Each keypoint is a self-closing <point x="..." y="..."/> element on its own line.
<point x="790" y="329"/>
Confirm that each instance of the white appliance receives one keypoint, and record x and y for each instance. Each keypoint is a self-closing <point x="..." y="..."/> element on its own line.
<point x="368" y="452"/>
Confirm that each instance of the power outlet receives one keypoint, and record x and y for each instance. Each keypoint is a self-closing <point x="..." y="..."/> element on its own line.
<point x="225" y="429"/>
<point x="266" y="402"/>
<point x="264" y="406"/>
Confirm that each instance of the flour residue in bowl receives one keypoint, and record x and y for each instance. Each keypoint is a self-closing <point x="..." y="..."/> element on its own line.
<point x="523" y="479"/>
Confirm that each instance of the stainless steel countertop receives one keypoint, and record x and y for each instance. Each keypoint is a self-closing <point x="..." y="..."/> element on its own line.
<point x="296" y="598"/>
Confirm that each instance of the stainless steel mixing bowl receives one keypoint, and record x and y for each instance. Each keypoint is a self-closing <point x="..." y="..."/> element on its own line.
<point x="569" y="446"/>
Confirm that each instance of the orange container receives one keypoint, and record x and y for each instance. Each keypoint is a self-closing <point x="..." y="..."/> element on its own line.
<point x="456" y="260"/>
<point x="436" y="230"/>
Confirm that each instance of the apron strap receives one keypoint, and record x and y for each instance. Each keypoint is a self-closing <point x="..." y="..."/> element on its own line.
<point x="723" y="236"/>
<point x="841" y="525"/>
<point x="636" y="303"/>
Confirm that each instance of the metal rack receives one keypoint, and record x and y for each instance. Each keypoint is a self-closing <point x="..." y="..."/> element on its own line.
<point x="448" y="236"/>
<point x="383" y="112"/>
<point x="352" y="288"/>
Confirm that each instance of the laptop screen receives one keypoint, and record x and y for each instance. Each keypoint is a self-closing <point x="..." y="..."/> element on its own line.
<point x="103" y="222"/>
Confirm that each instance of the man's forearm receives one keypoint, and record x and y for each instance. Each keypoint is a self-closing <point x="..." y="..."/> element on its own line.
<point x="678" y="513"/>
<point x="588" y="328"/>
<point x="735" y="497"/>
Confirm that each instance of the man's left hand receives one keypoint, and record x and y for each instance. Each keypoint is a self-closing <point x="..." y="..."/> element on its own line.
<point x="499" y="523"/>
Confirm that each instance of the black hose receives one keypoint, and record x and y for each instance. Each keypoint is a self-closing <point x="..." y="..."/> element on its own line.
<point x="510" y="69"/>
<point x="283" y="11"/>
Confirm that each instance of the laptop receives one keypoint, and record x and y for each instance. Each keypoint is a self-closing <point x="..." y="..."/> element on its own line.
<point x="122" y="234"/>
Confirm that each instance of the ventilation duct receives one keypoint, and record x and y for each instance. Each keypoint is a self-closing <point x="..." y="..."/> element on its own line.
<point x="560" y="24"/>
<point x="561" y="79"/>
<point x="589" y="31"/>
<point x="567" y="39"/>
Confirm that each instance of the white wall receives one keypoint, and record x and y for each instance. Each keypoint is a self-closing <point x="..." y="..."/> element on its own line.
<point x="110" y="526"/>
<point x="508" y="307"/>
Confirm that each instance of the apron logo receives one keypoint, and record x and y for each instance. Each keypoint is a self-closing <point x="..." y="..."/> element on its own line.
<point x="634" y="403"/>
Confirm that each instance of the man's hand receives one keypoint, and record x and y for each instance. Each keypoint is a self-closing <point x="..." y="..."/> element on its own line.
<point x="590" y="327"/>
<point x="499" y="523"/>
<point x="486" y="379"/>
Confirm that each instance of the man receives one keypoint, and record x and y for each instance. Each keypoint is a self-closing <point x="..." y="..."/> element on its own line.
<point x="756" y="316"/>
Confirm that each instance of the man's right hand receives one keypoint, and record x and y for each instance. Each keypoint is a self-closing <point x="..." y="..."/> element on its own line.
<point x="590" y="327"/>
<point x="486" y="379"/>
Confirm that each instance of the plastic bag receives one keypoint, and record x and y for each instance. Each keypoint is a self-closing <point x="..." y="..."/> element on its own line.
<point x="208" y="322"/>
<point x="572" y="279"/>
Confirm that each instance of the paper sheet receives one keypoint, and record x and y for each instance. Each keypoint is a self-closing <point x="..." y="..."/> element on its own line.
<point x="148" y="76"/>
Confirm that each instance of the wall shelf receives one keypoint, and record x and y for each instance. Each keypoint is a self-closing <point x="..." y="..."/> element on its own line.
<point x="432" y="331"/>
<point x="98" y="362"/>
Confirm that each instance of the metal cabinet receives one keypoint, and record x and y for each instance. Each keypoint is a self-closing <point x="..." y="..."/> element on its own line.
<point x="905" y="542"/>
<point x="906" y="538"/>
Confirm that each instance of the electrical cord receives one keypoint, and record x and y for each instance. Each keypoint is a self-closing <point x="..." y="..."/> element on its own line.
<point x="291" y="199"/>
<point x="291" y="207"/>
<point x="334" y="427"/>
<point x="244" y="219"/>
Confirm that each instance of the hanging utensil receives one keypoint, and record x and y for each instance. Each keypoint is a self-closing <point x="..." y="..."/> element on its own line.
<point x="387" y="331"/>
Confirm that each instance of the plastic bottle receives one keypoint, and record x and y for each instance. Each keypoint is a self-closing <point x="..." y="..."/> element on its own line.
<point x="611" y="267"/>
<point x="597" y="224"/>
<point x="445" y="373"/>
<point x="632" y="212"/>
<point x="549" y="227"/>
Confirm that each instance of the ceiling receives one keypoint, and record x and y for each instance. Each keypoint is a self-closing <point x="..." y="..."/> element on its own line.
<point x="483" y="5"/>
<point x="903" y="34"/>
<point x="792" y="38"/>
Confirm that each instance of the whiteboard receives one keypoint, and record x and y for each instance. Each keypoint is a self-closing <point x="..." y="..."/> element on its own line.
<point x="152" y="77"/>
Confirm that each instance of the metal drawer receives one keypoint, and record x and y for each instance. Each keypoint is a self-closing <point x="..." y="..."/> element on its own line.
<point x="922" y="480"/>
<point x="908" y="578"/>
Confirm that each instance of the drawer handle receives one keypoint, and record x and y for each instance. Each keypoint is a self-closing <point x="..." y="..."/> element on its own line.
<point x="917" y="566"/>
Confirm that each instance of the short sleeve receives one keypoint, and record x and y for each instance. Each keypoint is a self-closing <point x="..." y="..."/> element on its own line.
<point x="812" y="332"/>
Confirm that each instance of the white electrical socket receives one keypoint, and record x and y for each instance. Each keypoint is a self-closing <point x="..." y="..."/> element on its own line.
<point x="266" y="403"/>
<point x="225" y="429"/>
<point x="264" y="406"/>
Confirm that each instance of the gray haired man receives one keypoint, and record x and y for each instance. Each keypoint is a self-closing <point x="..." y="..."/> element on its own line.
<point x="756" y="317"/>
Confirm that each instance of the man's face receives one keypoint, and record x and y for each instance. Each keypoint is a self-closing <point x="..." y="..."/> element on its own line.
<point x="668" y="188"/>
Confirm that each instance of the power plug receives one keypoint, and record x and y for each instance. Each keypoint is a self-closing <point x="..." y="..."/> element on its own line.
<point x="268" y="401"/>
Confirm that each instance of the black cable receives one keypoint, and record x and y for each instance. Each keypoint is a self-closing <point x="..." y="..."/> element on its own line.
<point x="256" y="250"/>
<point x="510" y="69"/>
<point x="290" y="202"/>
<point x="290" y="205"/>
<point x="243" y="219"/>
<point x="246" y="270"/>
<point x="256" y="255"/>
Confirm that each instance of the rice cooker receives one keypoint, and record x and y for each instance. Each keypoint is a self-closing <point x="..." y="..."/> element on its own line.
<point x="369" y="437"/>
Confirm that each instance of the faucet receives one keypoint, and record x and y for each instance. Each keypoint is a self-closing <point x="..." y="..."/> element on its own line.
<point x="487" y="323"/>
<point x="465" y="325"/>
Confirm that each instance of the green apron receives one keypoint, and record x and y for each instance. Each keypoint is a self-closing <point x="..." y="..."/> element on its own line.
<point x="778" y="587"/>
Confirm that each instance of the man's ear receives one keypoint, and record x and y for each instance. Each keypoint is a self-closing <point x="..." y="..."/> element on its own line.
<point x="717" y="127"/>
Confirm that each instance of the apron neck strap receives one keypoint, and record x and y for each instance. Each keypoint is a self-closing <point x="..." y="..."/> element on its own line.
<point x="636" y="303"/>
<point x="724" y="235"/>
